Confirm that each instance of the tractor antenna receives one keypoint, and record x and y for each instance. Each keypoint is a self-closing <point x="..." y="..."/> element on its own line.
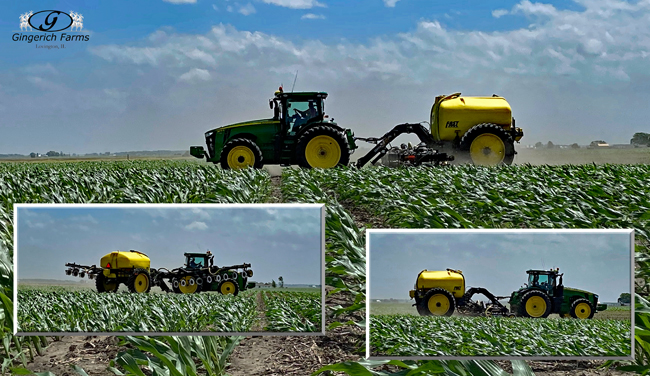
<point x="542" y="263"/>
<point x="294" y="81"/>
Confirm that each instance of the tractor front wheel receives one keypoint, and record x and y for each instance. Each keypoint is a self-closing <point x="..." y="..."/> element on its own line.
<point x="488" y="145"/>
<point x="323" y="147"/>
<point x="437" y="302"/>
<point x="241" y="153"/>
<point x="104" y="284"/>
<point x="581" y="309"/>
<point x="535" y="304"/>
<point x="139" y="282"/>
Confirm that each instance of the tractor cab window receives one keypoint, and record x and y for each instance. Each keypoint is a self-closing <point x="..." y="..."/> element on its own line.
<point x="193" y="262"/>
<point x="300" y="112"/>
<point x="540" y="280"/>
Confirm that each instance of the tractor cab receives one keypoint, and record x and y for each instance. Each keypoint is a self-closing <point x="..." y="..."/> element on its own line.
<point x="198" y="260"/>
<point x="297" y="110"/>
<point x="546" y="280"/>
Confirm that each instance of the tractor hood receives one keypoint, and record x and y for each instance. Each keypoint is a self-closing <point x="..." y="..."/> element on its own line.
<point x="578" y="290"/>
<point x="244" y="124"/>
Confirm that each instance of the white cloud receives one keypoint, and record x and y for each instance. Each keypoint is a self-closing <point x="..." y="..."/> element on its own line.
<point x="199" y="213"/>
<point x="295" y="4"/>
<point x="195" y="75"/>
<point x="390" y="3"/>
<point x="180" y="1"/>
<point x="498" y="13"/>
<point x="529" y="8"/>
<point x="198" y="226"/>
<point x="85" y="218"/>
<point x="247" y="9"/>
<point x="215" y="7"/>
<point x="312" y="16"/>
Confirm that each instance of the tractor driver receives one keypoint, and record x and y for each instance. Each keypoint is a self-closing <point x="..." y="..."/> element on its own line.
<point x="305" y="116"/>
<point x="192" y="263"/>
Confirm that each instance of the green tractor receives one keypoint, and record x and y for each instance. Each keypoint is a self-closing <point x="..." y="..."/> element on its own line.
<point x="299" y="133"/>
<point x="200" y="274"/>
<point x="545" y="294"/>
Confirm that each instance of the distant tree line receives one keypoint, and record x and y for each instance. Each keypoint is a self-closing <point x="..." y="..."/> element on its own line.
<point x="641" y="139"/>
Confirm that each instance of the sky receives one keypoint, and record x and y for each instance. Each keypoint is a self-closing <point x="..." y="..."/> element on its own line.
<point x="497" y="260"/>
<point x="158" y="74"/>
<point x="276" y="241"/>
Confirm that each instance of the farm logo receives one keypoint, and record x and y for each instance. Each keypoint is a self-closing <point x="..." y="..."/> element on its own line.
<point x="50" y="22"/>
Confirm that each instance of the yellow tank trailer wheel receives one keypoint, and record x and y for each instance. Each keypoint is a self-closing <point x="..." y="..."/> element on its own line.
<point x="487" y="145"/>
<point x="104" y="284"/>
<point x="139" y="282"/>
<point x="228" y="287"/>
<point x="437" y="302"/>
<point x="487" y="150"/>
<point x="581" y="309"/>
<point x="535" y="304"/>
<point x="188" y="285"/>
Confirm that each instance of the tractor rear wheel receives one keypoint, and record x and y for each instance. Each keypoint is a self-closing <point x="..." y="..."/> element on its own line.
<point x="228" y="287"/>
<point x="104" y="284"/>
<point x="582" y="309"/>
<point x="535" y="304"/>
<point x="240" y="153"/>
<point x="323" y="147"/>
<point x="139" y="281"/>
<point x="437" y="302"/>
<point x="488" y="145"/>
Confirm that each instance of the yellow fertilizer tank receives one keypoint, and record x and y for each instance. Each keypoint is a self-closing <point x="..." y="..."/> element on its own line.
<point x="457" y="115"/>
<point x="450" y="280"/>
<point x="124" y="260"/>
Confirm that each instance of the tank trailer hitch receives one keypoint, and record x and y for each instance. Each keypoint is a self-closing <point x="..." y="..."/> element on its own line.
<point x="422" y="154"/>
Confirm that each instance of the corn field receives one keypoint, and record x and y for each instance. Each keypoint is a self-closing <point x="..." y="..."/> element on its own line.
<point x="458" y="197"/>
<point x="55" y="309"/>
<point x="293" y="311"/>
<point x="394" y="335"/>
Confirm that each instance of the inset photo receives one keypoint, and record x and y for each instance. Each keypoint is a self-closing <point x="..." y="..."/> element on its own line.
<point x="209" y="269"/>
<point x="500" y="294"/>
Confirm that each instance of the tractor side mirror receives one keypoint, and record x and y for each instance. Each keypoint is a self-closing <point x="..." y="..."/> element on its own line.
<point x="271" y="103"/>
<point x="276" y="112"/>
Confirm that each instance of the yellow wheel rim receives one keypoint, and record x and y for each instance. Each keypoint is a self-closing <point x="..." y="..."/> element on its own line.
<point x="536" y="306"/>
<point x="487" y="150"/>
<point x="241" y="157"/>
<point x="187" y="289"/>
<point x="323" y="152"/>
<point x="583" y="311"/>
<point x="438" y="304"/>
<point x="109" y="286"/>
<point x="227" y="288"/>
<point x="141" y="283"/>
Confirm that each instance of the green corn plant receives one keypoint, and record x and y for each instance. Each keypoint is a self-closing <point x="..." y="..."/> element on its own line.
<point x="293" y="311"/>
<point x="164" y="356"/>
